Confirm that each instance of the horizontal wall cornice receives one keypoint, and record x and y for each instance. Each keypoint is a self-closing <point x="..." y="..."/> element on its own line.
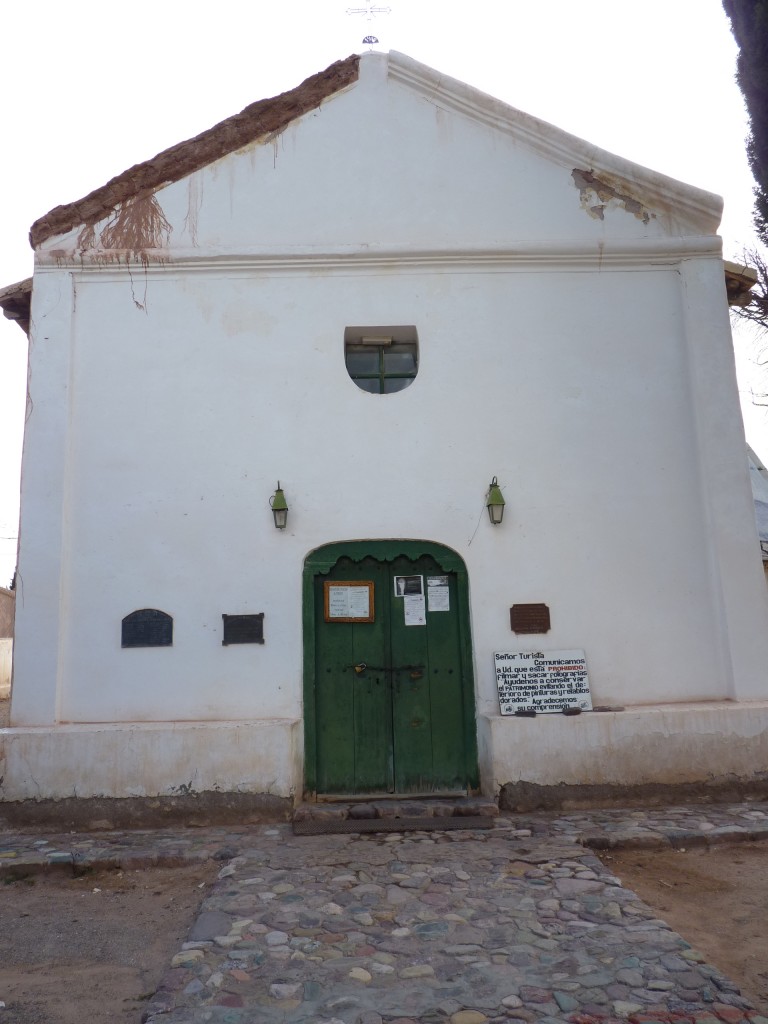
<point x="569" y="256"/>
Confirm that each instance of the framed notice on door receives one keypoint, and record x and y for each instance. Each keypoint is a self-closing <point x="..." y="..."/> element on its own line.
<point x="348" y="601"/>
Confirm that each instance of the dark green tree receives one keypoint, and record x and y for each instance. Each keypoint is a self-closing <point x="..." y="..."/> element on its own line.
<point x="749" y="24"/>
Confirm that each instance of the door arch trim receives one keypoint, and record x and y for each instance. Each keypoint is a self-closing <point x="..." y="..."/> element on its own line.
<point x="319" y="562"/>
<point x="322" y="559"/>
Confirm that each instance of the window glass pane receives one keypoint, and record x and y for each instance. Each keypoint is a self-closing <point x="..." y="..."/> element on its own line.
<point x="362" y="360"/>
<point x="400" y="359"/>
<point x="392" y="384"/>
<point x="381" y="369"/>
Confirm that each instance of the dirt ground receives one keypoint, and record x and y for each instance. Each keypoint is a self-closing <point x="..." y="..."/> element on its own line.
<point x="5" y="707"/>
<point x="92" y="948"/>
<point x="715" y="898"/>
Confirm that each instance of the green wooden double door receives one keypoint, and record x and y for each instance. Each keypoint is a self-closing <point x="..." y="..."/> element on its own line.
<point x="392" y="700"/>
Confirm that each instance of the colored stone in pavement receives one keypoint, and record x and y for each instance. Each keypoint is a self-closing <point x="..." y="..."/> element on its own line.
<point x="360" y="974"/>
<point x="418" y="971"/>
<point x="187" y="957"/>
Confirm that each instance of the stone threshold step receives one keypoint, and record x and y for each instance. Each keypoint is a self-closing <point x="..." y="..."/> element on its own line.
<point x="398" y="809"/>
<point x="312" y="827"/>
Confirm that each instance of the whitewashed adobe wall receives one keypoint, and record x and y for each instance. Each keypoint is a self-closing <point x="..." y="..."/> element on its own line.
<point x="574" y="342"/>
<point x="7" y="608"/>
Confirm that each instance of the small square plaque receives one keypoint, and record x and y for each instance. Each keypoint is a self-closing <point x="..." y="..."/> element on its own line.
<point x="243" y="629"/>
<point x="529" y="618"/>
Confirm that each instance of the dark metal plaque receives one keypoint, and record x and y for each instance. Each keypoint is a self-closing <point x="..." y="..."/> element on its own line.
<point x="529" y="618"/>
<point x="243" y="629"/>
<point x="147" y="627"/>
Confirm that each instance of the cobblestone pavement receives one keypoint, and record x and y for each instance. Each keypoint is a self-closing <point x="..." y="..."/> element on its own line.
<point x="519" y="923"/>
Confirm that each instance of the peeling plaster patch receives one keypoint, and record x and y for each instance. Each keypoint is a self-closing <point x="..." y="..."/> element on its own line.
<point x="597" y="194"/>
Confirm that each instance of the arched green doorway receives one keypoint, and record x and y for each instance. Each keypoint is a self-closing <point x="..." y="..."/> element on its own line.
<point x="389" y="703"/>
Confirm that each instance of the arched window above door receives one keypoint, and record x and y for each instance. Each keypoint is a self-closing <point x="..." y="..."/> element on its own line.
<point x="382" y="360"/>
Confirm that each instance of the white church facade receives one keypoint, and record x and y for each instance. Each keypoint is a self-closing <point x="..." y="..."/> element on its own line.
<point x="386" y="291"/>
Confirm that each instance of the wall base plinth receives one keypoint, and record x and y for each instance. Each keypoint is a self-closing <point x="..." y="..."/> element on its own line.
<point x="150" y="760"/>
<point x="644" y="754"/>
<point x="149" y="773"/>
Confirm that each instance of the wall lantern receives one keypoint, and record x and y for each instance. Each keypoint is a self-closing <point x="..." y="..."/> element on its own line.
<point x="279" y="507"/>
<point x="495" y="503"/>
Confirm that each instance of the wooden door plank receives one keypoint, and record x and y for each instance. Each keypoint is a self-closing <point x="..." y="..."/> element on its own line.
<point x="353" y="710"/>
<point x="371" y="691"/>
<point x="334" y="706"/>
<point x="446" y="681"/>
<point x="411" y="710"/>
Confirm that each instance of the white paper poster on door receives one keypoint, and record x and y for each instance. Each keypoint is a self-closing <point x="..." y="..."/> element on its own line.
<point x="415" y="608"/>
<point x="438" y="594"/>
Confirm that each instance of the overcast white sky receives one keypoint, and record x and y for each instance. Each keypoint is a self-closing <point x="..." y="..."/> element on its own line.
<point x="88" y="88"/>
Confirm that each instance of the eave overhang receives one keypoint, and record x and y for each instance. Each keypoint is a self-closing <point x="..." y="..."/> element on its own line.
<point x="15" y="301"/>
<point x="739" y="282"/>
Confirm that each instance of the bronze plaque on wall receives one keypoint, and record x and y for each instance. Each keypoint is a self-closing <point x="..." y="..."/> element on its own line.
<point x="529" y="618"/>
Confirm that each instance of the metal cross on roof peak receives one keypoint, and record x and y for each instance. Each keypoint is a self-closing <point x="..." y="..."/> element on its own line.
<point x="369" y="10"/>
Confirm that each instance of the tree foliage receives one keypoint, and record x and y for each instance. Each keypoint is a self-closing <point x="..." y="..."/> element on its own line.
<point x="749" y="24"/>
